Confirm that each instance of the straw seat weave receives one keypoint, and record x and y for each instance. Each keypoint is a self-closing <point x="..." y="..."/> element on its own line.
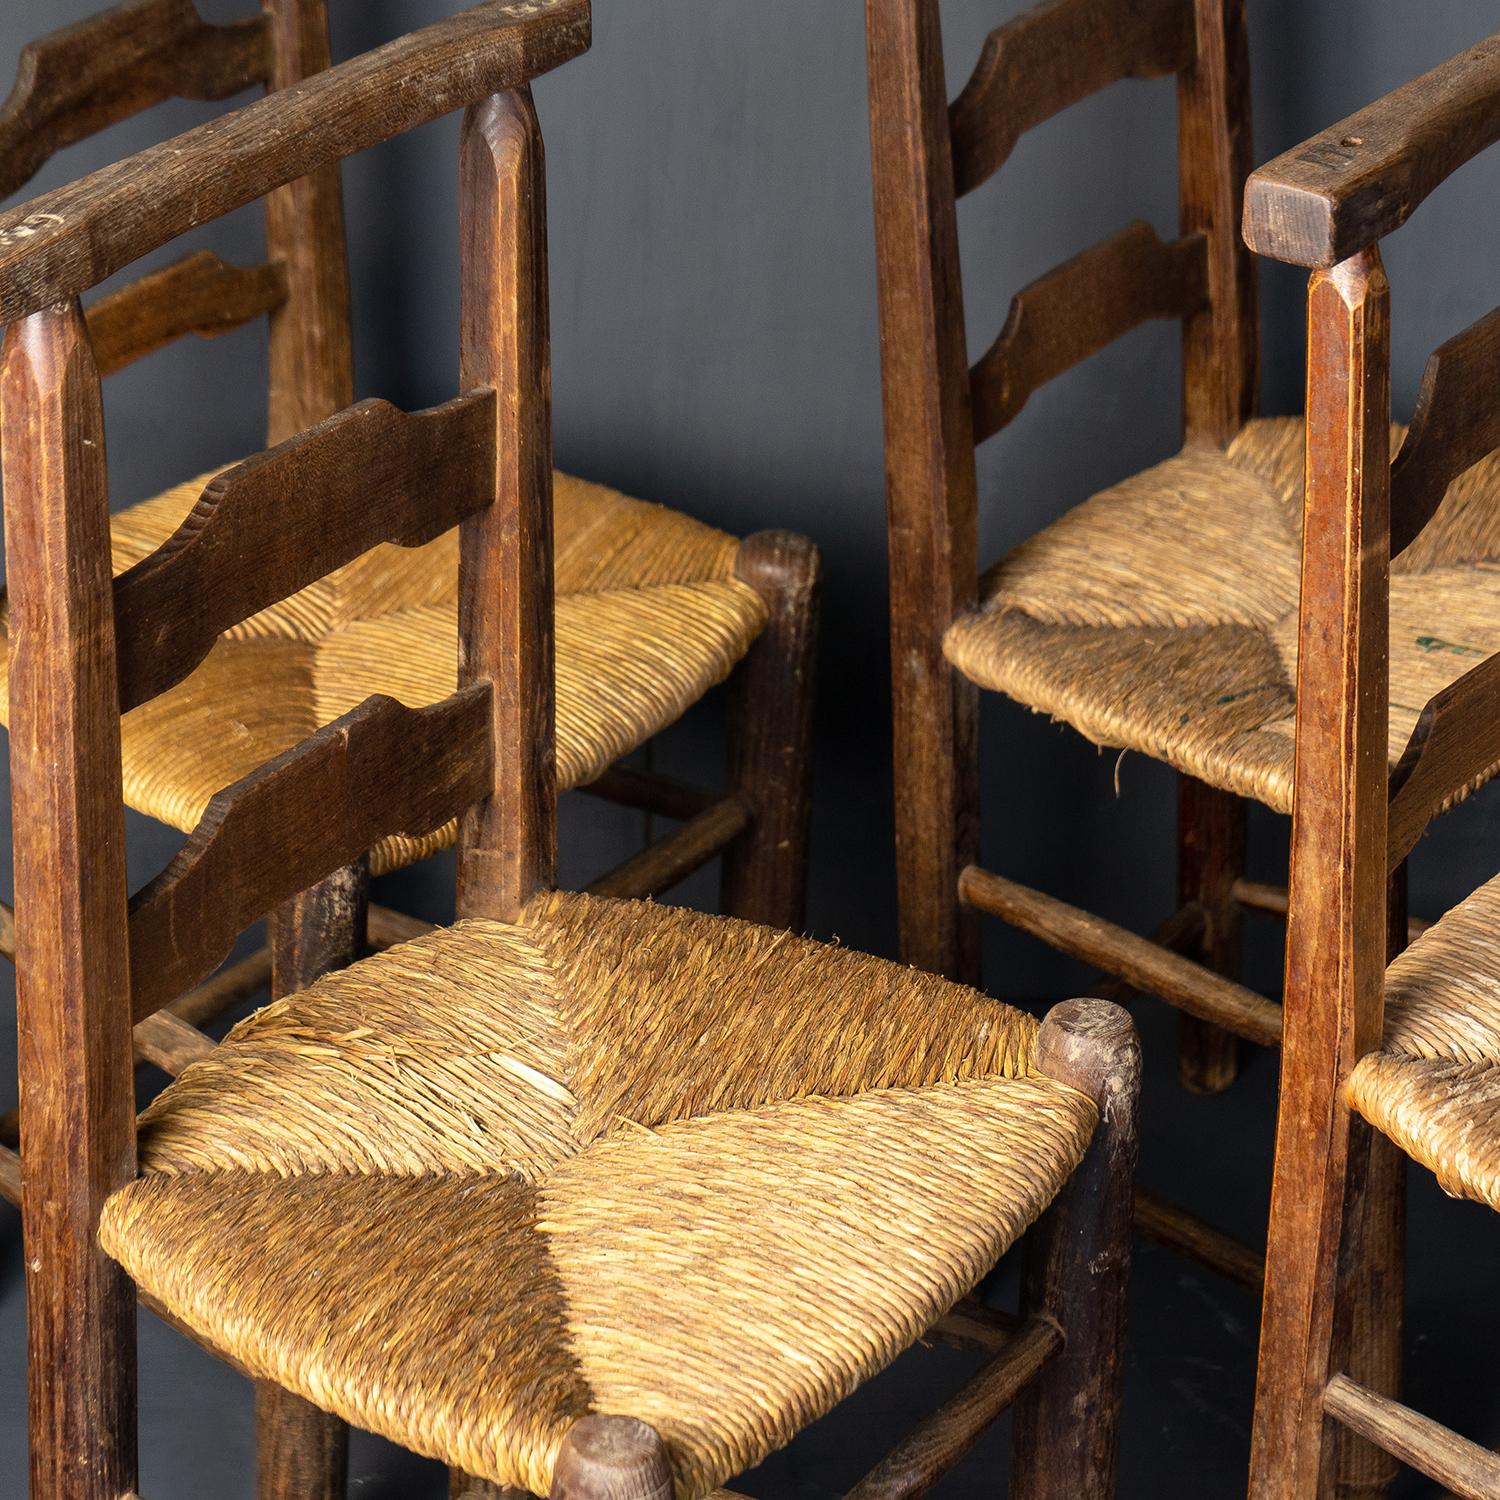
<point x="650" y="616"/>
<point x="1161" y="615"/>
<point x="616" y="1157"/>
<point x="1434" y="1086"/>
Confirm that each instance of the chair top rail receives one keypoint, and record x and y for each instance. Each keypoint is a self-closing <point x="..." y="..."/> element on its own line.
<point x="61" y="243"/>
<point x="85" y="77"/>
<point x="1351" y="185"/>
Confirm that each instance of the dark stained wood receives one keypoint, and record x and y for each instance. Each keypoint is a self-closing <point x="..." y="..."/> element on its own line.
<point x="612" y="1458"/>
<point x="1077" y="309"/>
<point x="99" y="71"/>
<point x="312" y="350"/>
<point x="1455" y="424"/>
<point x="771" y="734"/>
<point x="1052" y="56"/>
<point x="1336" y="933"/>
<point x="916" y="1463"/>
<point x="1210" y="856"/>
<point x="380" y="770"/>
<point x="1215" y="152"/>
<point x="1340" y="192"/>
<point x="199" y="294"/>
<point x="72" y="974"/>
<point x="972" y="1324"/>
<point x="301" y="1453"/>
<point x="1462" y="1467"/>
<point x="1185" y="1234"/>
<point x="1077" y="1267"/>
<point x="1178" y="980"/>
<point x="650" y="792"/>
<point x="369" y="475"/>
<point x="1182" y="932"/>
<point x="171" y="1044"/>
<point x="507" y="849"/>
<point x="1456" y="739"/>
<point x="930" y="482"/>
<point x="59" y="244"/>
<point x="672" y="859"/>
<point x="385" y="928"/>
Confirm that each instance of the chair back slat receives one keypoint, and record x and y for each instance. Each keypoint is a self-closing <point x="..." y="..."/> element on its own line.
<point x="1074" y="311"/>
<point x="379" y="771"/>
<point x="1456" y="423"/>
<point x="100" y="71"/>
<point x="290" y="516"/>
<point x="199" y="294"/>
<point x="1054" y="56"/>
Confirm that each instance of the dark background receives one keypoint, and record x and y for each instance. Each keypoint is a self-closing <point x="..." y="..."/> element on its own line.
<point x="715" y="347"/>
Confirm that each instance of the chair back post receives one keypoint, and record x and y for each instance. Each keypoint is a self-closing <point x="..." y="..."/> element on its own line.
<point x="312" y="360"/>
<point x="507" y="849"/>
<point x="1336" y="933"/>
<point x="72" y="956"/>
<point x="1220" y="341"/>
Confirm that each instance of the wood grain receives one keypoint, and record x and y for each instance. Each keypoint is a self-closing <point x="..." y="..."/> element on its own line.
<point x="672" y="859"/>
<point x="612" y="1458"/>
<point x="1076" y="310"/>
<point x="369" y="475"/>
<point x="1348" y="187"/>
<point x="1185" y="1234"/>
<point x="59" y="244"/>
<point x="1052" y="56"/>
<point x="380" y="770"/>
<point x="85" y="77"/>
<point x="72" y="974"/>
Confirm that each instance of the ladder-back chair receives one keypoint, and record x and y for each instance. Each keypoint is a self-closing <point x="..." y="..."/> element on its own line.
<point x="581" y="1195"/>
<point x="1413" y="1051"/>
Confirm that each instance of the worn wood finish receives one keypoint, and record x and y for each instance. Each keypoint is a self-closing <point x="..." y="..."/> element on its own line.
<point x="931" y="501"/>
<point x="99" y="71"/>
<point x="380" y="770"/>
<point x="198" y="294"/>
<point x="1076" y="310"/>
<point x="369" y="475"/>
<point x="1052" y="56"/>
<point x="1215" y="152"/>
<point x="650" y="792"/>
<point x="72" y="966"/>
<point x="1342" y="191"/>
<point x="1336" y="933"/>
<point x="1182" y="932"/>
<point x="916" y="1463"/>
<point x="1185" y="1234"/>
<point x="507" y="848"/>
<point x="1210" y="857"/>
<point x="1077" y="1267"/>
<point x="1256" y="895"/>
<point x="672" y="859"/>
<point x="612" y="1458"/>
<point x="62" y="243"/>
<point x="771" y="734"/>
<point x="1453" y="427"/>
<point x="171" y="1044"/>
<point x="1180" y="981"/>
<point x="971" y="1324"/>
<point x="1462" y="1467"/>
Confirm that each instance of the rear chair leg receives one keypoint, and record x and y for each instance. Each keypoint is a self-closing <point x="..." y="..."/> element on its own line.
<point x="770" y="742"/>
<point x="612" y="1458"/>
<point x="1077" y="1269"/>
<point x="302" y="1452"/>
<point x="1210" y="858"/>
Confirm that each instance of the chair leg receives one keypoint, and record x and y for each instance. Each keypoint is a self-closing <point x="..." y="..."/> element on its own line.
<point x="770" y="746"/>
<point x="302" y="1452"/>
<point x="612" y="1458"/>
<point x="1210" y="857"/>
<point x="1065" y="1439"/>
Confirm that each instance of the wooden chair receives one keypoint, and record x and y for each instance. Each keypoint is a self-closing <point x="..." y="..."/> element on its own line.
<point x="1413" y="1051"/>
<point x="581" y="1195"/>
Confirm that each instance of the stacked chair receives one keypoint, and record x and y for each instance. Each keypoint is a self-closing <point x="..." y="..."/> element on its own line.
<point x="581" y="1195"/>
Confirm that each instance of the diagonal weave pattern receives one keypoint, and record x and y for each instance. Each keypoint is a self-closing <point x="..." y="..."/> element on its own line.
<point x="617" y="1158"/>
<point x="1161" y="615"/>
<point x="650" y="616"/>
<point x="1434" y="1087"/>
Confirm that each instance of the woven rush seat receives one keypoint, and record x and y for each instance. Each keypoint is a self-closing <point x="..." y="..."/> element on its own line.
<point x="649" y="617"/>
<point x="1434" y="1087"/>
<point x="616" y="1157"/>
<point x="1161" y="615"/>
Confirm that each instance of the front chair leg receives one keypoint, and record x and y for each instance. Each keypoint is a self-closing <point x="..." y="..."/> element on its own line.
<point x="612" y="1458"/>
<point x="1077" y="1269"/>
<point x="770" y="742"/>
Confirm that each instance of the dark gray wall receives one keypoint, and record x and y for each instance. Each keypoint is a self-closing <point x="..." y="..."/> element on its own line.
<point x="715" y="348"/>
